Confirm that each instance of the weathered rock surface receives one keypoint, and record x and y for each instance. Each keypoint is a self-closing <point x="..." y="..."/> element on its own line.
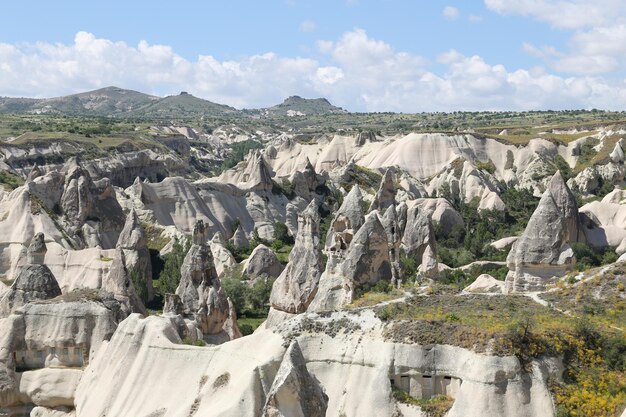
<point x="294" y="392"/>
<point x="262" y="263"/>
<point x="485" y="283"/>
<point x="348" y="219"/>
<point x="33" y="281"/>
<point x="120" y="284"/>
<point x="543" y="252"/>
<point x="296" y="286"/>
<point x="199" y="289"/>
<point x="418" y="241"/>
<point x="354" y="368"/>
<point x="365" y="262"/>
<point x="134" y="242"/>
<point x="222" y="258"/>
<point x="386" y="194"/>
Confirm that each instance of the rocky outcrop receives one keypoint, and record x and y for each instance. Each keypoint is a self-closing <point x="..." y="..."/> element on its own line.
<point x="394" y="238"/>
<point x="222" y="258"/>
<point x="239" y="239"/>
<point x="296" y="286"/>
<point x="485" y="283"/>
<point x="45" y="345"/>
<point x="418" y="241"/>
<point x="364" y="263"/>
<point x="386" y="194"/>
<point x="134" y="242"/>
<point x="295" y="392"/>
<point x="304" y="182"/>
<point x="356" y="365"/>
<point x="119" y="282"/>
<point x="543" y="252"/>
<point x="230" y="325"/>
<point x="33" y="281"/>
<point x="200" y="291"/>
<point x="90" y="208"/>
<point x="253" y="174"/>
<point x="348" y="219"/>
<point x="262" y="263"/>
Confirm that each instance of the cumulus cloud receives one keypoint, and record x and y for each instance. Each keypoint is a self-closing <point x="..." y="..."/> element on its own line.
<point x="598" y="41"/>
<point x="355" y="71"/>
<point x="450" y="12"/>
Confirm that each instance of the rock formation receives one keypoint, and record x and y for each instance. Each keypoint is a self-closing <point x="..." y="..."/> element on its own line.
<point x="262" y="263"/>
<point x="199" y="289"/>
<point x="33" y="281"/>
<point x="222" y="258"/>
<point x="418" y="241"/>
<point x="119" y="283"/>
<point x="239" y="239"/>
<point x="485" y="283"/>
<point x="543" y="252"/>
<point x="134" y="242"/>
<point x="365" y="262"/>
<point x="296" y="286"/>
<point x="386" y="194"/>
<point x="394" y="237"/>
<point x="295" y="392"/>
<point x="347" y="220"/>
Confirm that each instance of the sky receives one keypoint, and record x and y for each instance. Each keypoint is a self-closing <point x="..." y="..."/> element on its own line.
<point x="363" y="55"/>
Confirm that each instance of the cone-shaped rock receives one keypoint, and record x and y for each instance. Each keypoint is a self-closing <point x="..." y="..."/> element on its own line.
<point x="295" y="392"/>
<point x="134" y="241"/>
<point x="199" y="290"/>
<point x="418" y="240"/>
<point x="119" y="283"/>
<point x="296" y="286"/>
<point x="347" y="221"/>
<point x="543" y="252"/>
<point x="386" y="194"/>
<point x="33" y="281"/>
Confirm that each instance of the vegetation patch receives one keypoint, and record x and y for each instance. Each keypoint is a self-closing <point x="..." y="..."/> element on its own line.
<point x="434" y="407"/>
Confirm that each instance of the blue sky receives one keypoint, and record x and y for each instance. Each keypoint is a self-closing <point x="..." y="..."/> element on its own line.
<point x="365" y="55"/>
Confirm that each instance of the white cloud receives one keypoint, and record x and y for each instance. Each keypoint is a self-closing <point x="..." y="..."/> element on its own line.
<point x="450" y="12"/>
<point x="569" y="14"/>
<point x="354" y="71"/>
<point x="598" y="41"/>
<point x="307" y="26"/>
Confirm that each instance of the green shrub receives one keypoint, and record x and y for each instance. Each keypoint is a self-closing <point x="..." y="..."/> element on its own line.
<point x="169" y="278"/>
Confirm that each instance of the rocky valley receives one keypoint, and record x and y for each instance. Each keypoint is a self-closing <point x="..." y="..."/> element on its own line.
<point x="173" y="257"/>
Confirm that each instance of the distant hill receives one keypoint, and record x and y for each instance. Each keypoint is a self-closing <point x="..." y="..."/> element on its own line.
<point x="298" y="106"/>
<point x="185" y="105"/>
<point x="115" y="101"/>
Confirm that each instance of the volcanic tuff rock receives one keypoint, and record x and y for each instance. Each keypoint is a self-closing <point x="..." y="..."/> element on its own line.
<point x="119" y="283"/>
<point x="418" y="241"/>
<point x="239" y="239"/>
<point x="348" y="219"/>
<point x="394" y="237"/>
<point x="33" y="281"/>
<point x="253" y="174"/>
<point x="48" y="343"/>
<point x="91" y="206"/>
<point x="134" y="242"/>
<point x="296" y="286"/>
<point x="222" y="258"/>
<point x="295" y="392"/>
<point x="365" y="262"/>
<point x="386" y="194"/>
<point x="263" y="263"/>
<point x="485" y="283"/>
<point x="199" y="289"/>
<point x="543" y="252"/>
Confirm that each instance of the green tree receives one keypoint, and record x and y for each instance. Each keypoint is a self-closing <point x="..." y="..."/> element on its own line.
<point x="170" y="275"/>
